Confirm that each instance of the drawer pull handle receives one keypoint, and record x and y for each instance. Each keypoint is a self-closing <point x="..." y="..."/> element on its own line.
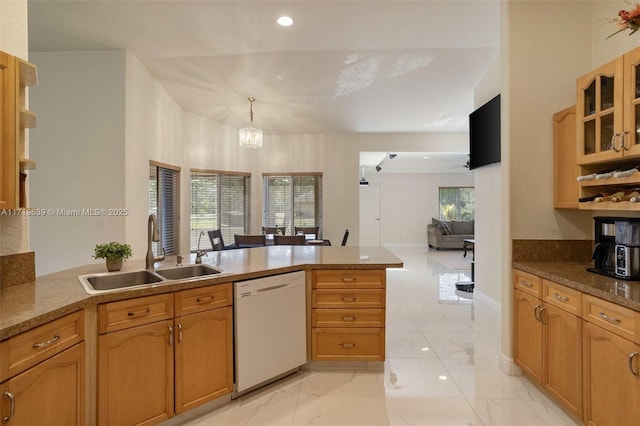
<point x="54" y="339"/>
<point x="348" y="279"/>
<point x="631" y="357"/>
<point x="12" y="409"/>
<point x="203" y="300"/>
<point x="348" y="318"/>
<point x="348" y="299"/>
<point x="526" y="283"/>
<point x="139" y="313"/>
<point x="348" y="345"/>
<point x="560" y="298"/>
<point x="608" y="318"/>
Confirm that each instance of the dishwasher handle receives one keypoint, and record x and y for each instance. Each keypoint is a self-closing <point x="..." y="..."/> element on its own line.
<point x="275" y="287"/>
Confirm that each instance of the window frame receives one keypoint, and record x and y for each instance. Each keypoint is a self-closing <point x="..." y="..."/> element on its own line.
<point x="458" y="217"/>
<point x="292" y="210"/>
<point x="218" y="175"/>
<point x="168" y="237"/>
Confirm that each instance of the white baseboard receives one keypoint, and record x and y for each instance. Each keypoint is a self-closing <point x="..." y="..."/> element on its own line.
<point x="506" y="364"/>
<point x="481" y="297"/>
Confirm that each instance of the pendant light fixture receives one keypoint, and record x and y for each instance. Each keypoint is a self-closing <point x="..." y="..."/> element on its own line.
<point x="250" y="137"/>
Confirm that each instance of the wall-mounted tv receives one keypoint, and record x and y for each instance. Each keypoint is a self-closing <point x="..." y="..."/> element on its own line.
<point x="484" y="134"/>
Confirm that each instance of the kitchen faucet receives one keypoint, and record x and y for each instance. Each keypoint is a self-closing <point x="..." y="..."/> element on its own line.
<point x="200" y="253"/>
<point x="152" y="235"/>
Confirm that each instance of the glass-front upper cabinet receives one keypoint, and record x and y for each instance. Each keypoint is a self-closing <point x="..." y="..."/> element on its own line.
<point x="631" y="134"/>
<point x="608" y="111"/>
<point x="599" y="110"/>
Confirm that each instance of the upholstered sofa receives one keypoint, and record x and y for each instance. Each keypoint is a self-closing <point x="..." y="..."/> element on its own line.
<point x="449" y="234"/>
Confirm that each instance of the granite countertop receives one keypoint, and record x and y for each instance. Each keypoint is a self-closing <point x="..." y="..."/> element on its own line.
<point x="52" y="296"/>
<point x="576" y="276"/>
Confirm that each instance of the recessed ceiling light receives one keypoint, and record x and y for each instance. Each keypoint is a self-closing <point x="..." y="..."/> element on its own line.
<point x="285" y="21"/>
<point x="426" y="158"/>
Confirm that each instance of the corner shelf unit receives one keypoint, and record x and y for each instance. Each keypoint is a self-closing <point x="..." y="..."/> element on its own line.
<point x="16" y="76"/>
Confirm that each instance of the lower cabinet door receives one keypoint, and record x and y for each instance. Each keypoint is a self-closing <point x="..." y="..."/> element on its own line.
<point x="527" y="334"/>
<point x="204" y="357"/>
<point x="612" y="390"/>
<point x="135" y="375"/>
<point x="348" y="344"/>
<point x="50" y="393"/>
<point x="563" y="357"/>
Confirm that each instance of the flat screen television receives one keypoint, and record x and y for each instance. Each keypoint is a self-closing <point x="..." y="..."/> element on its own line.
<point x="484" y="134"/>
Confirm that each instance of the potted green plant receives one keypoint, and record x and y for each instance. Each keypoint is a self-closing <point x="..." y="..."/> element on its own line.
<point x="114" y="252"/>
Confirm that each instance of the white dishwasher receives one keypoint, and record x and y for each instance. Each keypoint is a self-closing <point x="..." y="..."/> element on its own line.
<point x="270" y="328"/>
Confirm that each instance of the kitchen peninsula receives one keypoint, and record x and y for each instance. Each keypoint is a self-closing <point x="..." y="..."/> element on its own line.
<point x="87" y="320"/>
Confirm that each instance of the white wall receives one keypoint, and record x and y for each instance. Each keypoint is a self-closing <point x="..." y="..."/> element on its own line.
<point x="14" y="230"/>
<point x="409" y="201"/>
<point x="79" y="149"/>
<point x="105" y="117"/>
<point x="545" y="47"/>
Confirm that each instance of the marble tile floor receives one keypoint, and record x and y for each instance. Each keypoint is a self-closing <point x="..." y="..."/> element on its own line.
<point x="441" y="368"/>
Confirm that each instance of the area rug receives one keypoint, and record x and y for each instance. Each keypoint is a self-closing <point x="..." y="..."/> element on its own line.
<point x="451" y="259"/>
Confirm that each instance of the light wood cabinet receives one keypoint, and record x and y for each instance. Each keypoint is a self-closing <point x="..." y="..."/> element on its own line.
<point x="608" y="126"/>
<point x="135" y="375"/>
<point x="347" y="317"/>
<point x="16" y="75"/>
<point x="204" y="346"/>
<point x="152" y="365"/>
<point x="42" y="374"/>
<point x="52" y="392"/>
<point x="548" y="337"/>
<point x="612" y="389"/>
<point x="611" y="366"/>
<point x="566" y="190"/>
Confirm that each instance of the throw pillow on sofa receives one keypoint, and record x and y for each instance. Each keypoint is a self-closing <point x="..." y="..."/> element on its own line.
<point x="462" y="228"/>
<point x="443" y="226"/>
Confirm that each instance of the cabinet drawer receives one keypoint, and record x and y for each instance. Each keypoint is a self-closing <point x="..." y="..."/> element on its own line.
<point x="528" y="283"/>
<point x="203" y="299"/>
<point x="357" y="344"/>
<point x="615" y="318"/>
<point x="325" y="298"/>
<point x="348" y="278"/>
<point x="31" y="347"/>
<point x="562" y="297"/>
<point x="132" y="312"/>
<point x="347" y="318"/>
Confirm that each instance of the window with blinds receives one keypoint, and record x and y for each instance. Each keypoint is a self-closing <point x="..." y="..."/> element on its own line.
<point x="219" y="200"/>
<point x="293" y="200"/>
<point x="164" y="202"/>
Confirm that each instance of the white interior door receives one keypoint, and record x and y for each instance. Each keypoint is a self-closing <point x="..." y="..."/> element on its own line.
<point x="369" y="215"/>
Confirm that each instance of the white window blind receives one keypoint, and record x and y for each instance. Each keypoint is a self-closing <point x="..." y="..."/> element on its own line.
<point x="164" y="202"/>
<point x="218" y="201"/>
<point x="293" y="200"/>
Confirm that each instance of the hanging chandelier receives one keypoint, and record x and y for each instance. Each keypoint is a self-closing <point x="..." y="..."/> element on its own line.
<point x="251" y="137"/>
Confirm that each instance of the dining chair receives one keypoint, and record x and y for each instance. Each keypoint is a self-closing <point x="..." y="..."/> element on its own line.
<point x="247" y="241"/>
<point x="288" y="240"/>
<point x="307" y="230"/>
<point x="345" y="237"/>
<point x="273" y="230"/>
<point x="217" y="242"/>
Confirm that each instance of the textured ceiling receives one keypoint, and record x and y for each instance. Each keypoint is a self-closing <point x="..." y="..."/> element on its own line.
<point x="343" y="67"/>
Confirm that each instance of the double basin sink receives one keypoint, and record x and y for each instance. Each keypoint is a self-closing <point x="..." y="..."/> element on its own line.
<point x="111" y="281"/>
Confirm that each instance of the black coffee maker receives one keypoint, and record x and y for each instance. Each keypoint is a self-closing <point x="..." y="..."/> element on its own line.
<point x="604" y="251"/>
<point x="617" y="247"/>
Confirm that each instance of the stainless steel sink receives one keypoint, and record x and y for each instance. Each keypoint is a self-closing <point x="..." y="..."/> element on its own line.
<point x="188" y="271"/>
<point x="99" y="283"/>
